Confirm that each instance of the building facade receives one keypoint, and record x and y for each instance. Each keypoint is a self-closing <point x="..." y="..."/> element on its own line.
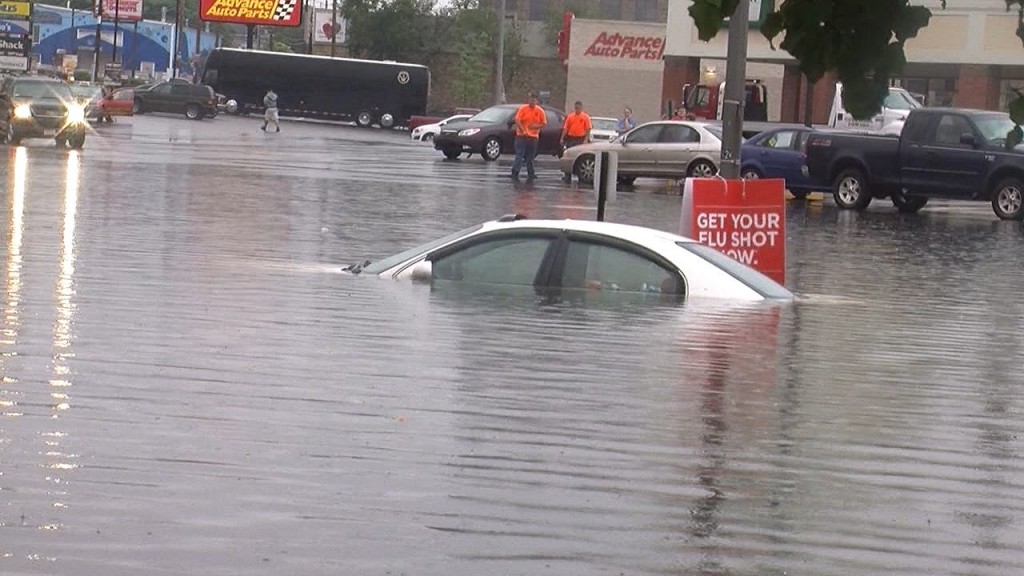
<point x="968" y="56"/>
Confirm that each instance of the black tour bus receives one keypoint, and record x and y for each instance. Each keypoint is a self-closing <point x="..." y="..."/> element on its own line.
<point x="347" y="89"/>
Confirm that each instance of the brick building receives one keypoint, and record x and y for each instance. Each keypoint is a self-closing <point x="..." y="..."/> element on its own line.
<point x="968" y="56"/>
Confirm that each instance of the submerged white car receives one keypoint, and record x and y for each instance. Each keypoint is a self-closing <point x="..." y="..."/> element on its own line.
<point x="426" y="132"/>
<point x="578" y="255"/>
<point x="603" y="129"/>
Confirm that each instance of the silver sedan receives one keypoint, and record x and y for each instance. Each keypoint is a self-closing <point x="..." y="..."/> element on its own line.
<point x="662" y="149"/>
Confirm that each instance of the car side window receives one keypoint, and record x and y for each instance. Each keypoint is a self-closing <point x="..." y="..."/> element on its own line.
<point x="163" y="89"/>
<point x="679" y="134"/>
<point x="644" y="134"/>
<point x="779" y="140"/>
<point x="123" y="95"/>
<point x="507" y="260"/>
<point x="592" y="265"/>
<point x="950" y="128"/>
<point x="181" y="91"/>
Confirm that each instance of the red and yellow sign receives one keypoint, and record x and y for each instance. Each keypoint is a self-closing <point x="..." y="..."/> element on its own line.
<point x="627" y="47"/>
<point x="261" y="12"/>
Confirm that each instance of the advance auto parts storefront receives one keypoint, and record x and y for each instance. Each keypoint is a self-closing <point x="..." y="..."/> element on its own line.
<point x="614" y="64"/>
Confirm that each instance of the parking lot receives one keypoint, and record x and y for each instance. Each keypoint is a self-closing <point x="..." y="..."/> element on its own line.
<point x="191" y="386"/>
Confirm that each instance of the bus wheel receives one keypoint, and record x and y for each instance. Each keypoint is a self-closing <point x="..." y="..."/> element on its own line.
<point x="386" y="121"/>
<point x="364" y="119"/>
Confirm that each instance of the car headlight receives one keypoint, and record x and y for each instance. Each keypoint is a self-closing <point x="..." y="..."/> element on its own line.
<point x="468" y="131"/>
<point x="22" y="111"/>
<point x="76" y="113"/>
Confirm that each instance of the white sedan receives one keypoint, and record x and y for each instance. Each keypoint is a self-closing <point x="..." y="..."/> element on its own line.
<point x="426" y="132"/>
<point x="662" y="149"/>
<point x="603" y="129"/>
<point x="584" y="255"/>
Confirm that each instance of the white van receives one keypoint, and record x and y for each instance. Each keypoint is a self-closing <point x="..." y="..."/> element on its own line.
<point x="897" y="104"/>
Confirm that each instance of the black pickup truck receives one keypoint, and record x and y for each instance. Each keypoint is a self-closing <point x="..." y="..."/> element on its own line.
<point x="941" y="153"/>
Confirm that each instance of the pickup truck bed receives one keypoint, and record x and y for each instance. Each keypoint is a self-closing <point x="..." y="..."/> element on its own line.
<point x="942" y="152"/>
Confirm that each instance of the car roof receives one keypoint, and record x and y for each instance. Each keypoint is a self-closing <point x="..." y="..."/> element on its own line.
<point x="627" y="231"/>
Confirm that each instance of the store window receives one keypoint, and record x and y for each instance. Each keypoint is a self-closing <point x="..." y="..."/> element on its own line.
<point x="646" y="11"/>
<point x="611" y="9"/>
<point x="1007" y="94"/>
<point x="933" y="91"/>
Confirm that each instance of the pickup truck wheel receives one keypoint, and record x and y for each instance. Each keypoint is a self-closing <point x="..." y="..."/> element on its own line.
<point x="850" y="190"/>
<point x="1008" y="199"/>
<point x="908" y="204"/>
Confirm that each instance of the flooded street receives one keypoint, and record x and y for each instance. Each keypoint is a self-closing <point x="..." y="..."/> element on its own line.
<point x="190" y="385"/>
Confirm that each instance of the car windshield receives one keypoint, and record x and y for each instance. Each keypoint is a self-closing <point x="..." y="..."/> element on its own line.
<point x="37" y="89"/>
<point x="994" y="126"/>
<point x="87" y="91"/>
<point x="604" y="124"/>
<point x="756" y="281"/>
<point x="496" y="114"/>
<point x="392" y="261"/>
<point x="900" y="100"/>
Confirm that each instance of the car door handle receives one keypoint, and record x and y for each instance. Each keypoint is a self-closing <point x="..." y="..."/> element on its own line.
<point x="648" y="149"/>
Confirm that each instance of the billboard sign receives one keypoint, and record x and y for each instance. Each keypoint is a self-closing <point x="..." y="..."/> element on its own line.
<point x="130" y="10"/>
<point x="15" y="45"/>
<point x="13" y="63"/>
<point x="322" y="29"/>
<point x="259" y="12"/>
<point x="12" y="27"/>
<point x="15" y="10"/>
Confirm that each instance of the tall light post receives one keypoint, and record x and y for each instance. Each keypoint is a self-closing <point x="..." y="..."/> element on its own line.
<point x="735" y="91"/>
<point x="499" y="64"/>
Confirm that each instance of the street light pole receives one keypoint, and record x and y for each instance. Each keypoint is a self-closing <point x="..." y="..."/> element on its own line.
<point x="735" y="91"/>
<point x="499" y="64"/>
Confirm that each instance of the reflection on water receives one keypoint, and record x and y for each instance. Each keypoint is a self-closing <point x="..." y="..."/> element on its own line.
<point x="177" y="335"/>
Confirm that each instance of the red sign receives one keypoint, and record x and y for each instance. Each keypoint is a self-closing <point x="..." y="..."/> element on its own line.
<point x="261" y="12"/>
<point x="745" y="219"/>
<point x="627" y="47"/>
<point x="130" y="10"/>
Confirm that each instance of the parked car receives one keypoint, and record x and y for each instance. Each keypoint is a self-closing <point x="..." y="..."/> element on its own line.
<point x="941" y="152"/>
<point x="660" y="149"/>
<point x="779" y="153"/>
<point x="89" y="95"/>
<point x="417" y="121"/>
<point x="39" y="107"/>
<point x="195" y="101"/>
<point x="578" y="255"/>
<point x="426" y="132"/>
<point x="491" y="133"/>
<point x="603" y="129"/>
<point x="119" y="102"/>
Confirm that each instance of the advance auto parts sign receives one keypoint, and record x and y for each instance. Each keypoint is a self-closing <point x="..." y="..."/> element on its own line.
<point x="626" y="47"/>
<point x="261" y="12"/>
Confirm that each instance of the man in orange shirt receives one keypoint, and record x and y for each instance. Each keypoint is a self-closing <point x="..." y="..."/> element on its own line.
<point x="576" y="129"/>
<point x="529" y="120"/>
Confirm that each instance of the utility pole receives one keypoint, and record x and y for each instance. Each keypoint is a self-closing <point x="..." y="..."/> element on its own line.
<point x="117" y="21"/>
<point x="499" y="65"/>
<point x="735" y="91"/>
<point x="96" y="44"/>
<point x="179" y="8"/>
<point x="250" y="35"/>
<point x="334" y="25"/>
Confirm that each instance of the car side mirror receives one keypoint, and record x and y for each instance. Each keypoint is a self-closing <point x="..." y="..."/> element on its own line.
<point x="967" y="139"/>
<point x="422" y="272"/>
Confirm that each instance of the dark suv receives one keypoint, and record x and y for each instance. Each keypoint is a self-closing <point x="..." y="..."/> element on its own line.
<point x="37" y="107"/>
<point x="491" y="133"/>
<point x="196" y="101"/>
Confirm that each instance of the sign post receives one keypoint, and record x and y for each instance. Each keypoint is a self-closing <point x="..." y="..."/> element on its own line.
<point x="606" y="178"/>
<point x="743" y="219"/>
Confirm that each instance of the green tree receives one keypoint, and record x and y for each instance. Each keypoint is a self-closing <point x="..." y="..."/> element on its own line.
<point x="470" y="88"/>
<point x="553" y="20"/>
<point x="389" y="30"/>
<point x="861" y="40"/>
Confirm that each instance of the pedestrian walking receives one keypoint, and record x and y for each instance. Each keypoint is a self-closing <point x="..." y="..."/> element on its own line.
<point x="576" y="129"/>
<point x="529" y="119"/>
<point x="627" y="122"/>
<point x="270" y="115"/>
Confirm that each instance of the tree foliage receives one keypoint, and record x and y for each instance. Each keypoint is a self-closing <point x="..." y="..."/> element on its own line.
<point x="470" y="86"/>
<point x="862" y="41"/>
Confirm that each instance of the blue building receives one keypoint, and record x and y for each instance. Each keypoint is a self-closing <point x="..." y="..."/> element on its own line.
<point x="57" y="31"/>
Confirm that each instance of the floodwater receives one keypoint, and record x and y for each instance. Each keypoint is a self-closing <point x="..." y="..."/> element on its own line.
<point x="190" y="386"/>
